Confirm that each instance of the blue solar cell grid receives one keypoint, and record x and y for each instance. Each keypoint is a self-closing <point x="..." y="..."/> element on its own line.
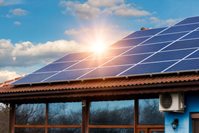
<point x="160" y="50"/>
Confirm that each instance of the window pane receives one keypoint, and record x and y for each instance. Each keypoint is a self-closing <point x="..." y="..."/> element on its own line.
<point x="119" y="130"/>
<point x="65" y="113"/>
<point x="29" y="130"/>
<point x="149" y="112"/>
<point x="64" y="130"/>
<point x="27" y="114"/>
<point x="112" y="112"/>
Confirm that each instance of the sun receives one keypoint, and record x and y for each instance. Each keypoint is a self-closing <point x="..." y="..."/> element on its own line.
<point x="98" y="47"/>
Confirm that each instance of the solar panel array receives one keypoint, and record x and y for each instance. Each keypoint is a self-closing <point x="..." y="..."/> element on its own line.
<point x="161" y="50"/>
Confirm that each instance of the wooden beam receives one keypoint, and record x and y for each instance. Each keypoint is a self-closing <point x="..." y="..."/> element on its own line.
<point x="12" y="118"/>
<point x="111" y="126"/>
<point x="85" y="116"/>
<point x="46" y="119"/>
<point x="136" y="115"/>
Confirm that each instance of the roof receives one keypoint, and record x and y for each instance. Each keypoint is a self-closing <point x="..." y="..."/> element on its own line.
<point x="148" y="84"/>
<point x="170" y="65"/>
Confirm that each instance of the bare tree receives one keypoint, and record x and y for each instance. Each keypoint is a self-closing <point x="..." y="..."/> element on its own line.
<point x="4" y="118"/>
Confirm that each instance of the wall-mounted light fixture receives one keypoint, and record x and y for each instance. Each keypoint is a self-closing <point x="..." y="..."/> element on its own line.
<point x="175" y="123"/>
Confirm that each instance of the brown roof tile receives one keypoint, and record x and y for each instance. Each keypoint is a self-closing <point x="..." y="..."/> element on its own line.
<point x="105" y="83"/>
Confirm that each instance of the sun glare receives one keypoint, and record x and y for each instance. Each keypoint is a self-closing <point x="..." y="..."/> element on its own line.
<point x="97" y="39"/>
<point x="99" y="47"/>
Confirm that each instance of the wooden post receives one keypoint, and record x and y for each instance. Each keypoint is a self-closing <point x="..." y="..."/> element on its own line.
<point x="136" y="115"/>
<point x="12" y="118"/>
<point x="46" y="120"/>
<point x="85" y="116"/>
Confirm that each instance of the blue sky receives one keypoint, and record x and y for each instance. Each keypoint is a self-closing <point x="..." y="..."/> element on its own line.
<point x="36" y="32"/>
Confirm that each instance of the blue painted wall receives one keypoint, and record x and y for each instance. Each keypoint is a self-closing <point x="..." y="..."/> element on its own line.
<point x="185" y="123"/>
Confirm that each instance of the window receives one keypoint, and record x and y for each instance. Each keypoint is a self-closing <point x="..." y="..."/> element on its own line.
<point x="150" y="119"/>
<point x="29" y="130"/>
<point x="62" y="117"/>
<point x="108" y="114"/>
<point x="100" y="117"/>
<point x="30" y="114"/>
<point x="149" y="112"/>
<point x="65" y="113"/>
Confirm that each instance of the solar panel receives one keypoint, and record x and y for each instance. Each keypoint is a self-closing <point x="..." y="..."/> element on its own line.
<point x="130" y="42"/>
<point x="189" y="20"/>
<point x="195" y="34"/>
<point x="181" y="28"/>
<point x="184" y="44"/>
<point x="185" y="65"/>
<point x="144" y="33"/>
<point x="147" y="48"/>
<point x="165" y="38"/>
<point x="160" y="50"/>
<point x="102" y="72"/>
<point x="66" y="75"/>
<point x="147" y="68"/>
<point x="169" y="55"/>
<point x="55" y="67"/>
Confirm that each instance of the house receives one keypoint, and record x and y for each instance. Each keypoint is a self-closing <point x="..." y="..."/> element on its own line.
<point x="145" y="83"/>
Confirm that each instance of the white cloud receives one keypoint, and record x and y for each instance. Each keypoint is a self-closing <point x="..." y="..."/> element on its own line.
<point x="163" y="22"/>
<point x="17" y="23"/>
<point x="105" y="3"/>
<point x="83" y="11"/>
<point x="10" y="2"/>
<point x="19" y="12"/>
<point x="128" y="10"/>
<point x="27" y="53"/>
<point x="8" y="75"/>
<point x="71" y="32"/>
<point x="95" y="8"/>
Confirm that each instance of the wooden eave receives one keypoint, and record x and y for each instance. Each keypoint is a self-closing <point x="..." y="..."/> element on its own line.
<point x="122" y="87"/>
